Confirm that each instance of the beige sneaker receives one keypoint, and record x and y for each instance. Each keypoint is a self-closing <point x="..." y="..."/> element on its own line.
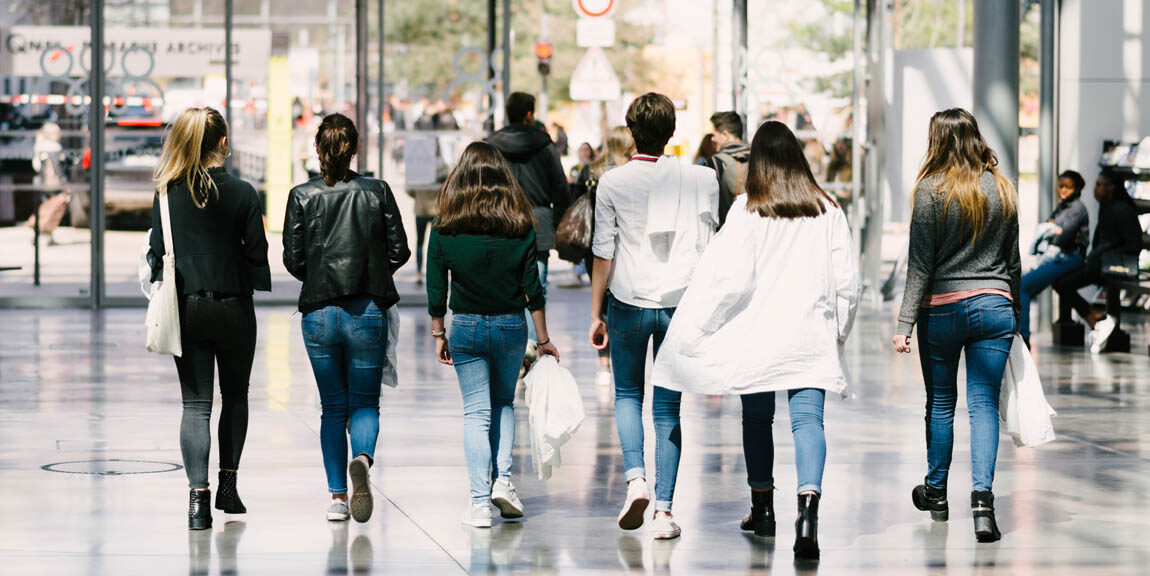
<point x="631" y="516"/>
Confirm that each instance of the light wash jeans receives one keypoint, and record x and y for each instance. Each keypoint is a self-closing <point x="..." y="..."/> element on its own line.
<point x="630" y="329"/>
<point x="806" y="407"/>
<point x="1037" y="280"/>
<point x="346" y="346"/>
<point x="984" y="326"/>
<point x="487" y="352"/>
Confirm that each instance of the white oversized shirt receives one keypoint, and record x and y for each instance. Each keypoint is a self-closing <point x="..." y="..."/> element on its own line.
<point x="771" y="305"/>
<point x="654" y="217"/>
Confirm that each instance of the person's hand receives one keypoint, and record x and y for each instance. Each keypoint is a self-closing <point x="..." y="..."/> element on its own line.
<point x="901" y="344"/>
<point x="548" y="348"/>
<point x="442" y="353"/>
<point x="598" y="334"/>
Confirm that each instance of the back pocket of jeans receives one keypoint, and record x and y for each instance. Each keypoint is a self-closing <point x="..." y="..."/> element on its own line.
<point x="624" y="320"/>
<point x="938" y="328"/>
<point x="463" y="335"/>
<point x="314" y="325"/>
<point x="368" y="328"/>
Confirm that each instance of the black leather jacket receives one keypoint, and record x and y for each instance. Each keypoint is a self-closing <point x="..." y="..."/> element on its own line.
<point x="344" y="240"/>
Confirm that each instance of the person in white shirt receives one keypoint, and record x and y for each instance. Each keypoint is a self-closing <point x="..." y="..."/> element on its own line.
<point x="653" y="219"/>
<point x="772" y="303"/>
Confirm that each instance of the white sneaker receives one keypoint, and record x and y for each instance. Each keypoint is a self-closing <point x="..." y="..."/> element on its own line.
<point x="478" y="515"/>
<point x="1101" y="334"/>
<point x="338" y="511"/>
<point x="664" y="528"/>
<point x="504" y="498"/>
<point x="603" y="377"/>
<point x="631" y="517"/>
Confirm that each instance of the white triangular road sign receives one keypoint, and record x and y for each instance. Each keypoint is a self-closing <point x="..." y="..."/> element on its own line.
<point x="594" y="79"/>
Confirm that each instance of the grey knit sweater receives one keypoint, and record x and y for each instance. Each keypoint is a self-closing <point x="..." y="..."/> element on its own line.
<point x="943" y="259"/>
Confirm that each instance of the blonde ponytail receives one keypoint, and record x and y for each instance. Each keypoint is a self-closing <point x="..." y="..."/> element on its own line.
<point x="194" y="137"/>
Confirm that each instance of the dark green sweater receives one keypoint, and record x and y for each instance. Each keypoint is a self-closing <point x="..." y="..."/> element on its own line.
<point x="489" y="274"/>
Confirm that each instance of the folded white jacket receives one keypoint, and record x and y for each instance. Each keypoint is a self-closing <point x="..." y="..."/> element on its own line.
<point x="555" y="411"/>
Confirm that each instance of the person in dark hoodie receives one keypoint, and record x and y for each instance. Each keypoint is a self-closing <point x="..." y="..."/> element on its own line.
<point x="730" y="160"/>
<point x="536" y="167"/>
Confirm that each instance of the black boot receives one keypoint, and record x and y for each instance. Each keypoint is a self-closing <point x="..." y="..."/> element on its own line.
<point x="227" y="499"/>
<point x="762" y="518"/>
<point x="929" y="498"/>
<point x="200" y="510"/>
<point x="982" y="508"/>
<point x="807" y="527"/>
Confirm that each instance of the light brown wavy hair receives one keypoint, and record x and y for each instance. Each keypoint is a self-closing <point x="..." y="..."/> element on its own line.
<point x="336" y="143"/>
<point x="617" y="151"/>
<point x="779" y="180"/>
<point x="482" y="197"/>
<point x="195" y="139"/>
<point x="959" y="155"/>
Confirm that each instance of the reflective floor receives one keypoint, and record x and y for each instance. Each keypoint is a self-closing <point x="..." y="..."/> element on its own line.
<point x="78" y="395"/>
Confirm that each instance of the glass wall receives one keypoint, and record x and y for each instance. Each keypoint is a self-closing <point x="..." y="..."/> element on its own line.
<point x="44" y="161"/>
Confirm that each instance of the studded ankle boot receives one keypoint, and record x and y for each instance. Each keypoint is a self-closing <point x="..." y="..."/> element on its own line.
<point x="200" y="510"/>
<point x="761" y="521"/>
<point x="227" y="499"/>
<point x="929" y="498"/>
<point x="982" y="508"/>
<point x="807" y="527"/>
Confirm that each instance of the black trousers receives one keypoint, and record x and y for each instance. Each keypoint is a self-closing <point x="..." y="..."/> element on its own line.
<point x="214" y="331"/>
<point x="1068" y="286"/>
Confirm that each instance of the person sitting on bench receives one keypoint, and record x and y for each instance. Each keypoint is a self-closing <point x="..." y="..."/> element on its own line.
<point x="1118" y="230"/>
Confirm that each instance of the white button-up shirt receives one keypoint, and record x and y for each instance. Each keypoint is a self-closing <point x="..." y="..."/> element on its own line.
<point x="654" y="217"/>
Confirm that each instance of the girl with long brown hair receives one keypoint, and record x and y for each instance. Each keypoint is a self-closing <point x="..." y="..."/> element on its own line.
<point x="221" y="257"/>
<point x="484" y="238"/>
<point x="343" y="237"/>
<point x="962" y="289"/>
<point x="772" y="303"/>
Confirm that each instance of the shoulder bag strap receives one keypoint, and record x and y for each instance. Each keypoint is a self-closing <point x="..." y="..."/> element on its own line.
<point x="166" y="224"/>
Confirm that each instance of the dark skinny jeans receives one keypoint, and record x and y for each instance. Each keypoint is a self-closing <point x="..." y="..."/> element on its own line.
<point x="214" y="331"/>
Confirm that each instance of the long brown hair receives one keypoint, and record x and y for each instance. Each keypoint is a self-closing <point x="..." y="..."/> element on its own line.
<point x="336" y="142"/>
<point x="481" y="196"/>
<point x="194" y="140"/>
<point x="780" y="183"/>
<point x="959" y="155"/>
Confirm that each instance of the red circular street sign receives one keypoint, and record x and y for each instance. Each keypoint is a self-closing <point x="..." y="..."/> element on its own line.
<point x="593" y="8"/>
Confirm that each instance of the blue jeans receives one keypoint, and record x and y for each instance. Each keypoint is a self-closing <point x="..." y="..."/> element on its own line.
<point x="630" y="329"/>
<point x="984" y="327"/>
<point x="347" y="347"/>
<point x="806" y="405"/>
<point x="541" y="265"/>
<point x="487" y="352"/>
<point x="1037" y="280"/>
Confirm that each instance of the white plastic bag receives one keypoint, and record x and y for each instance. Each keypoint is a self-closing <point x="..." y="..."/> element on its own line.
<point x="1022" y="405"/>
<point x="163" y="319"/>
<point x="555" y="411"/>
<point x="144" y="268"/>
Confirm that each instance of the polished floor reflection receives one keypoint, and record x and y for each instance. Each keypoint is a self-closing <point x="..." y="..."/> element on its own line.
<point x="89" y="432"/>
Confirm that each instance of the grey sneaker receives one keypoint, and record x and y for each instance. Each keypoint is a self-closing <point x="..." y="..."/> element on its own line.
<point x="478" y="515"/>
<point x="504" y="498"/>
<point x="338" y="511"/>
<point x="361" y="499"/>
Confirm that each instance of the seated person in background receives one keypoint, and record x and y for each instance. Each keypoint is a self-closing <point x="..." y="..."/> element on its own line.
<point x="1118" y="231"/>
<point x="1066" y="241"/>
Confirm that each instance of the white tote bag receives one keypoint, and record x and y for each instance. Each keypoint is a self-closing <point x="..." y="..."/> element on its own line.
<point x="555" y="411"/>
<point x="1022" y="405"/>
<point x="163" y="319"/>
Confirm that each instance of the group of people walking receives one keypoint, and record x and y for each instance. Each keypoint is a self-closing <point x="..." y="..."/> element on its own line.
<point x="741" y="285"/>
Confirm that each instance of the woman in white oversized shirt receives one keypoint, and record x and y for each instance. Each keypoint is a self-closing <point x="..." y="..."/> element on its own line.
<point x="771" y="304"/>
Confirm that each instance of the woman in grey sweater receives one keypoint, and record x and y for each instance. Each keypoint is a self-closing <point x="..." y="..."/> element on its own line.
<point x="962" y="289"/>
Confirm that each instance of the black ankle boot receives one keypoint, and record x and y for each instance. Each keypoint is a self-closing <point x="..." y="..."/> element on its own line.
<point x="982" y="508"/>
<point x="227" y="499"/>
<point x="200" y="510"/>
<point x="807" y="527"/>
<point x="929" y="498"/>
<point x="762" y="518"/>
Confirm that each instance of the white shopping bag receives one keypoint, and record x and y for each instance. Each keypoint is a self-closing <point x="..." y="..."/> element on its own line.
<point x="555" y="411"/>
<point x="163" y="318"/>
<point x="1022" y="405"/>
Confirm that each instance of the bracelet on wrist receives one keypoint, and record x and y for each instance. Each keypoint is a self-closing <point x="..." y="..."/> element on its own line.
<point x="543" y="342"/>
<point x="438" y="334"/>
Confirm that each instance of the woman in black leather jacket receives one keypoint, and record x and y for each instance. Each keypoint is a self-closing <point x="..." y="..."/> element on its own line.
<point x="344" y="238"/>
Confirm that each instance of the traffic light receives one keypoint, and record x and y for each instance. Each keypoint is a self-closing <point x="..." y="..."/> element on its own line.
<point x="543" y="53"/>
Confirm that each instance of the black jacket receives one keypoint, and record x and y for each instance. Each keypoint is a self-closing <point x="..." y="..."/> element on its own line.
<point x="344" y="240"/>
<point x="1118" y="230"/>
<point x="537" y="169"/>
<point x="219" y="248"/>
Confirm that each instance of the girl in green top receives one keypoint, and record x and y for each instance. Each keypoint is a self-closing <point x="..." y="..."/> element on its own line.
<point x="484" y="236"/>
